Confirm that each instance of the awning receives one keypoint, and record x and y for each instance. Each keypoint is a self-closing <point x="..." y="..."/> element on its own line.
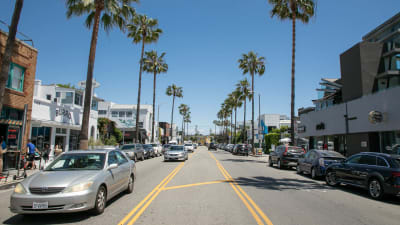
<point x="42" y="123"/>
<point x="11" y="122"/>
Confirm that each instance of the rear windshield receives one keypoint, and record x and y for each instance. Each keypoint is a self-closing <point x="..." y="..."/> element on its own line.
<point x="128" y="147"/>
<point x="176" y="148"/>
<point x="331" y="154"/>
<point x="166" y="146"/>
<point x="154" y="145"/>
<point x="188" y="144"/>
<point x="147" y="146"/>
<point x="295" y="149"/>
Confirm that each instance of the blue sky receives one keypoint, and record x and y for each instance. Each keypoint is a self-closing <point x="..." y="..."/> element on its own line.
<point x="203" y="41"/>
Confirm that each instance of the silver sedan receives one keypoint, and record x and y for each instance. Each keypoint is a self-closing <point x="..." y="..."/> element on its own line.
<point x="176" y="152"/>
<point x="75" y="181"/>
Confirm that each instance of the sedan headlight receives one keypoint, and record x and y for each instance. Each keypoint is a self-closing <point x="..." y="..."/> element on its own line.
<point x="19" y="189"/>
<point x="79" y="187"/>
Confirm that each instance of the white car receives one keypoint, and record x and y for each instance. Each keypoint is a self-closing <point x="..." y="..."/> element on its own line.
<point x="189" y="147"/>
<point x="157" y="149"/>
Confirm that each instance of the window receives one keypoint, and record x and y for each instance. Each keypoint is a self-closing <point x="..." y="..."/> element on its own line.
<point x="102" y="112"/>
<point x="112" y="158"/>
<point x="61" y="131"/>
<point x="129" y="114"/>
<point x="67" y="97"/>
<point x="114" y="114"/>
<point x="58" y="94"/>
<point x="122" y="114"/>
<point x="394" y="81"/>
<point x="94" y="104"/>
<point x="78" y="99"/>
<point x="368" y="160"/>
<point x="381" y="162"/>
<point x="121" y="158"/>
<point x="48" y="97"/>
<point x="16" y="77"/>
<point x="355" y="159"/>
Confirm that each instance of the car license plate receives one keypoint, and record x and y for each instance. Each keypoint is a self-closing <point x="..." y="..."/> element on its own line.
<point x="40" y="205"/>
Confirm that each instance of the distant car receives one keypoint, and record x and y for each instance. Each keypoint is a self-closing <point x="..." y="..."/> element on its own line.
<point x="229" y="147"/>
<point x="176" y="152"/>
<point x="240" y="149"/>
<point x="157" y="149"/>
<point x="165" y="148"/>
<point x="195" y="145"/>
<point x="189" y="147"/>
<point x="314" y="162"/>
<point x="134" y="151"/>
<point x="148" y="151"/>
<point x="75" y="181"/>
<point x="212" y="146"/>
<point x="285" y="156"/>
<point x="378" y="173"/>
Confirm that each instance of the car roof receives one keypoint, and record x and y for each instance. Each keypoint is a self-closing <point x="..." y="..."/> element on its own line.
<point x="377" y="154"/>
<point x="90" y="151"/>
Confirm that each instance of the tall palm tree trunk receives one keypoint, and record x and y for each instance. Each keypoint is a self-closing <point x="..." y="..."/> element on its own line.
<point x="154" y="106"/>
<point x="252" y="114"/>
<point x="83" y="143"/>
<point x="8" y="52"/>
<point x="172" y="115"/>
<point x="231" y="131"/>
<point x="139" y="91"/>
<point x="234" y="140"/>
<point x="183" y="128"/>
<point x="244" y="123"/>
<point x="293" y="5"/>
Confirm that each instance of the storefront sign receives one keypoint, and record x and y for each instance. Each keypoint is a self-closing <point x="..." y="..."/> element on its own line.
<point x="375" y="117"/>
<point x="64" y="113"/>
<point x="320" y="126"/>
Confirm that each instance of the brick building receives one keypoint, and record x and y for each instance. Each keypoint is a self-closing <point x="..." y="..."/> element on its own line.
<point x="19" y="91"/>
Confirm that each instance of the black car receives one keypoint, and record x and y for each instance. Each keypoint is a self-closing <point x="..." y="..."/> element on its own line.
<point x="212" y="146"/>
<point x="134" y="151"/>
<point x="378" y="173"/>
<point x="314" y="162"/>
<point x="285" y="156"/>
<point x="148" y="151"/>
<point x="241" y="149"/>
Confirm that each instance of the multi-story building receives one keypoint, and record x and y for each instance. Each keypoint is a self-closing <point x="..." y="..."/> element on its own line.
<point x="57" y="116"/>
<point x="18" y="93"/>
<point x="124" y="116"/>
<point x="360" y="111"/>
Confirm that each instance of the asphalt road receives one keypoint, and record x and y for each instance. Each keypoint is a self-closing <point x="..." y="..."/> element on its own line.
<point x="219" y="188"/>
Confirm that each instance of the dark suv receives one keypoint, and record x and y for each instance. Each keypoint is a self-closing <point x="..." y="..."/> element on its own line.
<point x="241" y="149"/>
<point x="285" y="156"/>
<point x="212" y="146"/>
<point x="379" y="173"/>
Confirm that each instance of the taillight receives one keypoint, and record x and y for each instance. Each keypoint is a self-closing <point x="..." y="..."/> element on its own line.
<point x="322" y="162"/>
<point x="396" y="174"/>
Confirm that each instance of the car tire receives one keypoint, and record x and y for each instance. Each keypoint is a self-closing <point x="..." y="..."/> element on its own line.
<point x="270" y="163"/>
<point x="330" y="178"/>
<point x="101" y="200"/>
<point x="313" y="173"/>
<point x="298" y="170"/>
<point x="375" y="189"/>
<point x="279" y="164"/>
<point x="131" y="185"/>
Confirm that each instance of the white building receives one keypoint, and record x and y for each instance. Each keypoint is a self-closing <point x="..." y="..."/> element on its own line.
<point x="57" y="117"/>
<point x="124" y="116"/>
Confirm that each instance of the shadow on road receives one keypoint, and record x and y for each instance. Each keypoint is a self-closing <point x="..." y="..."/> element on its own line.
<point x="390" y="199"/>
<point x="243" y="160"/>
<point x="56" y="218"/>
<point x="280" y="184"/>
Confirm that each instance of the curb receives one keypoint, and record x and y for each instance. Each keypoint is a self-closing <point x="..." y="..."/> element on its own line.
<point x="9" y="185"/>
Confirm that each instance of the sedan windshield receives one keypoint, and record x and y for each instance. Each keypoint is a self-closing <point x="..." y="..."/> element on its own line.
<point x="79" y="161"/>
<point x="147" y="146"/>
<point x="188" y="144"/>
<point x="331" y="154"/>
<point x="176" y="148"/>
<point x="128" y="147"/>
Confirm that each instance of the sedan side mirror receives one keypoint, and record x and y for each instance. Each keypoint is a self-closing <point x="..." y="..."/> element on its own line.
<point x="113" y="166"/>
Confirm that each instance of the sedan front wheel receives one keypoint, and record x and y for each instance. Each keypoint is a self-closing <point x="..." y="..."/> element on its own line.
<point x="330" y="179"/>
<point x="101" y="199"/>
<point x="375" y="189"/>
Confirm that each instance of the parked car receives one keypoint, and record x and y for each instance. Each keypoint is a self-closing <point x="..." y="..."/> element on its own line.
<point x="314" y="162"/>
<point x="285" y="156"/>
<point x="176" y="152"/>
<point x="189" y="147"/>
<point x="241" y="149"/>
<point x="378" y="173"/>
<point x="148" y="151"/>
<point x="157" y="149"/>
<point x="165" y="148"/>
<point x="75" y="181"/>
<point x="229" y="147"/>
<point x="134" y="151"/>
<point x="212" y="146"/>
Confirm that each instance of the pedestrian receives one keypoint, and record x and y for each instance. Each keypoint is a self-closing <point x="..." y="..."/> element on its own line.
<point x="31" y="149"/>
<point x="57" y="151"/>
<point x="3" y="149"/>
<point x="45" y="153"/>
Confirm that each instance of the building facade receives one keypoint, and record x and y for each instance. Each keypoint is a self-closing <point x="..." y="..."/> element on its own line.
<point x="124" y="116"/>
<point x="57" y="117"/>
<point x="359" y="111"/>
<point x="18" y="93"/>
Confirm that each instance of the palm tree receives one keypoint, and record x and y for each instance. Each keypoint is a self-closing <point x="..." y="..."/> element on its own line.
<point x="142" y="29"/>
<point x="230" y="106"/>
<point x="301" y="10"/>
<point x="9" y="51"/>
<point x="244" y="88"/>
<point x="252" y="64"/>
<point x="187" y="120"/>
<point x="108" y="13"/>
<point x="236" y="103"/>
<point x="183" y="110"/>
<point x="174" y="91"/>
<point x="216" y="123"/>
<point x="155" y="64"/>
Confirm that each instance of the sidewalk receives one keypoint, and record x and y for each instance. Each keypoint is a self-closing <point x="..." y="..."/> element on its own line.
<point x="9" y="182"/>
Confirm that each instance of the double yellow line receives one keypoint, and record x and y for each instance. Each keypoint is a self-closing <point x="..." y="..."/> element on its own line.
<point x="149" y="198"/>
<point x="247" y="201"/>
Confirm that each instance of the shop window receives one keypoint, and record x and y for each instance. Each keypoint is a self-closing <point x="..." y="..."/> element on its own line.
<point x="102" y="112"/>
<point x="129" y="114"/>
<point x="390" y="142"/>
<point x="61" y="131"/>
<point x="78" y="99"/>
<point x="16" y="77"/>
<point x="114" y="114"/>
<point x="394" y="81"/>
<point x="122" y="114"/>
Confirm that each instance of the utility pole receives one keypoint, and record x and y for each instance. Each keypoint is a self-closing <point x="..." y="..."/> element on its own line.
<point x="259" y="121"/>
<point x="347" y="118"/>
